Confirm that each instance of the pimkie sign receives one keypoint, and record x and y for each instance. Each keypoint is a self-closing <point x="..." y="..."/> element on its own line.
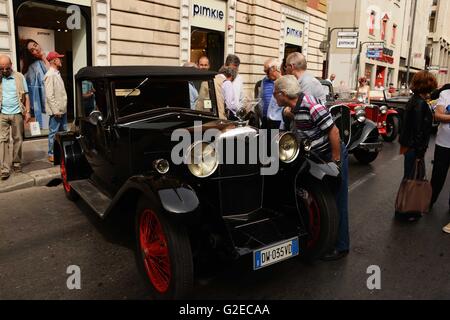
<point x="295" y="32"/>
<point x="209" y="14"/>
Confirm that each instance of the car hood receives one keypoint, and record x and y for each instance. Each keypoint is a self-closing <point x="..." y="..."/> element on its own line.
<point x="173" y="121"/>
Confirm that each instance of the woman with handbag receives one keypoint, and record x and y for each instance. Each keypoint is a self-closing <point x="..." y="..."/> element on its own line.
<point x="416" y="131"/>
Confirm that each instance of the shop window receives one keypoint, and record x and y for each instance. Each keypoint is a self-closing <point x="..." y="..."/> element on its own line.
<point x="290" y="48"/>
<point x="384" y="23"/>
<point x="394" y="34"/>
<point x="41" y="27"/>
<point x="372" y="23"/>
<point x="208" y="43"/>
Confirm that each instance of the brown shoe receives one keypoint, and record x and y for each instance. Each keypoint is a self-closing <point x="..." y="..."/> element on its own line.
<point x="5" y="175"/>
<point x="51" y="159"/>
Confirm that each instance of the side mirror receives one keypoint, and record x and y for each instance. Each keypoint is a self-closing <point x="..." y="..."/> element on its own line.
<point x="95" y="117"/>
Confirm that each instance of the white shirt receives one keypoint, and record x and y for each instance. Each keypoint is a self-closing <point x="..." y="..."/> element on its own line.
<point x="443" y="135"/>
<point x="238" y="86"/>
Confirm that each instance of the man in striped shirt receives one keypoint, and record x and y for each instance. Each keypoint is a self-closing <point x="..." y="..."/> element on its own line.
<point x="310" y="119"/>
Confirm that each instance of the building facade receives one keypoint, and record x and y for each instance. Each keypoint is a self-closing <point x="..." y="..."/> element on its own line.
<point x="166" y="32"/>
<point x="438" y="45"/>
<point x="380" y="24"/>
<point x="417" y="11"/>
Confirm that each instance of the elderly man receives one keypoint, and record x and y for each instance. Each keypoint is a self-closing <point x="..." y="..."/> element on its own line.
<point x="203" y="63"/>
<point x="296" y="65"/>
<point x="14" y="108"/>
<point x="272" y="69"/>
<point x="55" y="100"/>
<point x="234" y="62"/>
<point x="331" y="79"/>
<point x="311" y="120"/>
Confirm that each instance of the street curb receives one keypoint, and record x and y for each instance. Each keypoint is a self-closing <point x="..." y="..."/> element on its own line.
<point x="38" y="178"/>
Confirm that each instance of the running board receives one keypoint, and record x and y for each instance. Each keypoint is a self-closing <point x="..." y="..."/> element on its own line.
<point x="95" y="198"/>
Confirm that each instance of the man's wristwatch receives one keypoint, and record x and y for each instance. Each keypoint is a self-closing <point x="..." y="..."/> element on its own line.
<point x="337" y="162"/>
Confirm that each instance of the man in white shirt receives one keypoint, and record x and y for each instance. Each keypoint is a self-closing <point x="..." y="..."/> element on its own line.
<point x="234" y="62"/>
<point x="442" y="151"/>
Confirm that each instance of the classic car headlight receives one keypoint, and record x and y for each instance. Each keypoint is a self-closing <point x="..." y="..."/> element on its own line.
<point x="384" y="109"/>
<point x="202" y="159"/>
<point x="161" y="165"/>
<point x="360" y="114"/>
<point x="288" y="147"/>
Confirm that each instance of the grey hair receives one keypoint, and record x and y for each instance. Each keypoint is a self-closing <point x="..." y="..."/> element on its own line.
<point x="233" y="59"/>
<point x="228" y="72"/>
<point x="273" y="63"/>
<point x="289" y="85"/>
<point x="298" y="60"/>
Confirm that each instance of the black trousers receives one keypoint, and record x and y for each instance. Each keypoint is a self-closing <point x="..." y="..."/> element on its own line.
<point x="440" y="170"/>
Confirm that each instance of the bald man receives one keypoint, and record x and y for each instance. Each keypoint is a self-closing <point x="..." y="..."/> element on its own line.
<point x="14" y="108"/>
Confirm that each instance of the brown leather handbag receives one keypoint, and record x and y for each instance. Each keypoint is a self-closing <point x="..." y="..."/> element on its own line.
<point x="414" y="194"/>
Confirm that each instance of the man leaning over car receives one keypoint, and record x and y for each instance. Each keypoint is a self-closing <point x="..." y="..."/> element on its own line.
<point x="310" y="119"/>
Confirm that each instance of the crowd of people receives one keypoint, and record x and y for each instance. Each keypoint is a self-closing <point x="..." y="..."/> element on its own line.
<point x="291" y="98"/>
<point x="43" y="90"/>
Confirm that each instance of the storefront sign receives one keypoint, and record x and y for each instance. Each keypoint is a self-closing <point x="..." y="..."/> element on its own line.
<point x="347" y="43"/>
<point x="209" y="14"/>
<point x="348" y="34"/>
<point x="294" y="32"/>
<point x="374" y="53"/>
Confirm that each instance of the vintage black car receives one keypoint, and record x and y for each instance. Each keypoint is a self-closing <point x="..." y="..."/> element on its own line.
<point x="119" y="159"/>
<point x="357" y="123"/>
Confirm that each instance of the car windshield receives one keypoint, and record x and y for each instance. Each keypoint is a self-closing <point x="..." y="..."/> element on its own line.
<point x="145" y="94"/>
<point x="377" y="95"/>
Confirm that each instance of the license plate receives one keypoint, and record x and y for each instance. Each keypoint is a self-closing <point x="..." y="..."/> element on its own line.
<point x="275" y="253"/>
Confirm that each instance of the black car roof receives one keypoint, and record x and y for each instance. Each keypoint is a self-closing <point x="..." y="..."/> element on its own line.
<point x="143" y="71"/>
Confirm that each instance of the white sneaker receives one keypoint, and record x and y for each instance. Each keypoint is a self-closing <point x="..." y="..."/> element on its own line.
<point x="446" y="229"/>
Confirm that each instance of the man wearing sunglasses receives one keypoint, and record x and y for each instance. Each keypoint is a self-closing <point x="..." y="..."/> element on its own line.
<point x="272" y="69"/>
<point x="14" y="109"/>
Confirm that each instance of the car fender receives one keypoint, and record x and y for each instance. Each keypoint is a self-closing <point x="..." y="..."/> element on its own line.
<point x="172" y="195"/>
<point x="369" y="126"/>
<point x="77" y="166"/>
<point x="392" y="112"/>
<point x="322" y="170"/>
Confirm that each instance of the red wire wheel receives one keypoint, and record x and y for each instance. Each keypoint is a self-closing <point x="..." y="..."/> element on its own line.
<point x="66" y="184"/>
<point x="155" y="251"/>
<point x="314" y="222"/>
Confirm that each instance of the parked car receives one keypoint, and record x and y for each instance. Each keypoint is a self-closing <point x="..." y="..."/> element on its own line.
<point x="120" y="160"/>
<point x="356" y="123"/>
<point x="391" y="112"/>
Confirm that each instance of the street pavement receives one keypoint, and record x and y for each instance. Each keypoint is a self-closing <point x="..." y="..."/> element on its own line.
<point x="37" y="171"/>
<point x="42" y="233"/>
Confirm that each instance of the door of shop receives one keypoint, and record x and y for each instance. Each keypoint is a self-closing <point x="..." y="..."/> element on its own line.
<point x="44" y="26"/>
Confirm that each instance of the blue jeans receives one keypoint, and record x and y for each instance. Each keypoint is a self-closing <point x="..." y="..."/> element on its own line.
<point x="343" y="243"/>
<point x="55" y="125"/>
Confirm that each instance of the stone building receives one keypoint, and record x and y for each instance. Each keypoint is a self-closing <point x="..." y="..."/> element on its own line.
<point x="165" y="32"/>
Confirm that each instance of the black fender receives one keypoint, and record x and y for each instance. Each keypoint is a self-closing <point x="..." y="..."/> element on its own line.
<point x="369" y="126"/>
<point x="67" y="145"/>
<point x="328" y="173"/>
<point x="176" y="198"/>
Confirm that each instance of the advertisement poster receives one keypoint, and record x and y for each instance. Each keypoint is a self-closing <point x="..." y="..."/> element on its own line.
<point x="35" y="44"/>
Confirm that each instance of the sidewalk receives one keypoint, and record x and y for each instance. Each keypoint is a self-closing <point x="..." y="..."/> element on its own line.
<point x="37" y="171"/>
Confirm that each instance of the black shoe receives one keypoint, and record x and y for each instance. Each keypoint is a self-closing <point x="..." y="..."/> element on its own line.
<point x="335" y="255"/>
<point x="5" y="175"/>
